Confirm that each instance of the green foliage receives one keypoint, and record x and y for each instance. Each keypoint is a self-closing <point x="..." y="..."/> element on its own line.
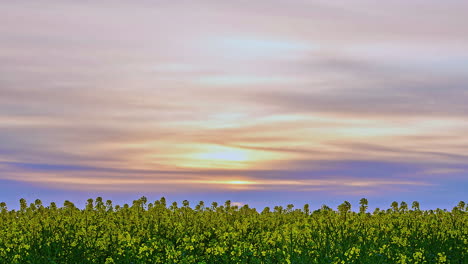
<point x="363" y="205"/>
<point x="155" y="233"/>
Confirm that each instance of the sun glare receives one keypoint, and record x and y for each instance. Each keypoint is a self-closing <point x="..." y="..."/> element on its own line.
<point x="240" y="182"/>
<point x="212" y="156"/>
<point x="224" y="155"/>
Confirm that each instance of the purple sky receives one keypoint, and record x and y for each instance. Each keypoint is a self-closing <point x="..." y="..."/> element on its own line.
<point x="260" y="102"/>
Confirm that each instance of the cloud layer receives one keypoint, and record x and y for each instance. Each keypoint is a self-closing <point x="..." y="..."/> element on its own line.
<point x="272" y="96"/>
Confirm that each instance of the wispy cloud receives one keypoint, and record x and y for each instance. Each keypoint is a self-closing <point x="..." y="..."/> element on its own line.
<point x="238" y="96"/>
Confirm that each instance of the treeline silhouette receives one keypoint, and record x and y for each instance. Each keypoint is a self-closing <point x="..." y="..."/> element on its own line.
<point x="155" y="232"/>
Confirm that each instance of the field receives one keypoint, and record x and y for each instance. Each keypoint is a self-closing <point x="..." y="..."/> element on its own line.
<point x="154" y="232"/>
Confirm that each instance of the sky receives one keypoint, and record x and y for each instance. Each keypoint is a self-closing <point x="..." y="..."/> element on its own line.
<point x="258" y="102"/>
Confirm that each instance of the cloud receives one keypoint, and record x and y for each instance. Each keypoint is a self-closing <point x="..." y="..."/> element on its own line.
<point x="365" y="94"/>
<point x="317" y="173"/>
<point x="329" y="96"/>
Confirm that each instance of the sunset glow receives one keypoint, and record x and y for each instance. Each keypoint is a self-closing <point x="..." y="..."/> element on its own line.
<point x="222" y="155"/>
<point x="308" y="100"/>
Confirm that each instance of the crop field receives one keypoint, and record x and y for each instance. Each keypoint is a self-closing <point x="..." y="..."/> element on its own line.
<point x="156" y="232"/>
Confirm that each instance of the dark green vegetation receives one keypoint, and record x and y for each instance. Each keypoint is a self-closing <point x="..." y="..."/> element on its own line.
<point x="157" y="233"/>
